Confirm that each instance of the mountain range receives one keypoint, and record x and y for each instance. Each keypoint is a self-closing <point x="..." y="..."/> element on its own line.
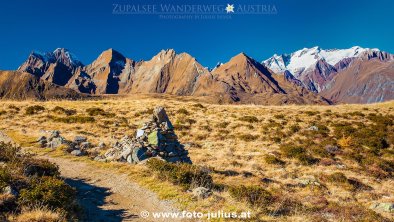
<point x="355" y="75"/>
<point x="307" y="76"/>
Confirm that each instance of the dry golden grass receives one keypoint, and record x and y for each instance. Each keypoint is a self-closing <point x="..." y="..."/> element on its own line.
<point x="220" y="137"/>
<point x="38" y="215"/>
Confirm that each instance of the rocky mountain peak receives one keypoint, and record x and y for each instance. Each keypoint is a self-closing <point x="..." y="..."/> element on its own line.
<point x="108" y="56"/>
<point x="64" y="56"/>
<point x="165" y="55"/>
<point x="240" y="60"/>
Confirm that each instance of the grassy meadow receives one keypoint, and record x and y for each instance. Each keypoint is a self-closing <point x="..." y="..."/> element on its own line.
<point x="283" y="163"/>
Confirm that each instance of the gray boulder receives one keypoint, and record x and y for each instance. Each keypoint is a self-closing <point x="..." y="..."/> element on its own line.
<point x="76" y="153"/>
<point x="55" y="142"/>
<point x="100" y="159"/>
<point x="201" y="192"/>
<point x="54" y="134"/>
<point x="85" y="145"/>
<point x="80" y="139"/>
<point x="42" y="141"/>
<point x="126" y="152"/>
<point x="41" y="138"/>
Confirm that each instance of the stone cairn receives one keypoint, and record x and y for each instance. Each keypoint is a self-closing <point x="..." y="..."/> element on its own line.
<point x="156" y="139"/>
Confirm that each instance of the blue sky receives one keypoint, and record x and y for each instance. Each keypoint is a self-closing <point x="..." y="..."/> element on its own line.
<point x="87" y="28"/>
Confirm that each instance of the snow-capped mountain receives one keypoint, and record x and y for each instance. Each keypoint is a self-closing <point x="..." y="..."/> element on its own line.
<point x="304" y="59"/>
<point x="57" y="66"/>
<point x="66" y="57"/>
<point x="60" y="55"/>
<point x="316" y="67"/>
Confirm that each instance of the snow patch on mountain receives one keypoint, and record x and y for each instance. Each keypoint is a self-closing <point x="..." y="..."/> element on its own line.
<point x="301" y="60"/>
<point x="68" y="55"/>
<point x="59" y="54"/>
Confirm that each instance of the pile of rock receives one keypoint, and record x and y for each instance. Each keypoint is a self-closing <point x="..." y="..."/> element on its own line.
<point x="77" y="147"/>
<point x="156" y="138"/>
<point x="53" y="141"/>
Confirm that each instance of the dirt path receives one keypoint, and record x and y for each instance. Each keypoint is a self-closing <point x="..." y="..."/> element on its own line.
<point x="107" y="195"/>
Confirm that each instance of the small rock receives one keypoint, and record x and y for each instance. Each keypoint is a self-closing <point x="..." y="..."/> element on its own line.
<point x="41" y="138"/>
<point x="54" y="134"/>
<point x="100" y="159"/>
<point x="340" y="166"/>
<point x="308" y="180"/>
<point x="76" y="153"/>
<point x="129" y="159"/>
<point x="71" y="146"/>
<point x="153" y="138"/>
<point x="140" y="132"/>
<point x="383" y="207"/>
<point x="80" y="139"/>
<point x="160" y="116"/>
<point x="201" y="192"/>
<point x="102" y="145"/>
<point x="313" y="128"/>
<point x="85" y="145"/>
<point x="126" y="153"/>
<point x="43" y="143"/>
<point x="331" y="149"/>
<point x="55" y="142"/>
